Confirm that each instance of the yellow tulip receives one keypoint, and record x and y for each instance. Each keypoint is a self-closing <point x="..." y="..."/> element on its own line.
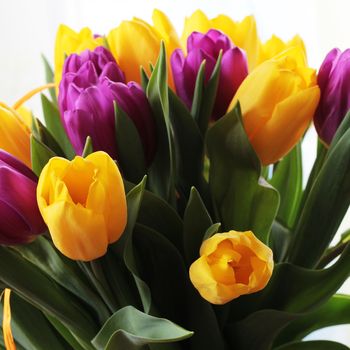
<point x="83" y="204"/>
<point x="136" y="43"/>
<point x="14" y="134"/>
<point x="243" y="34"/>
<point x="26" y="115"/>
<point x="278" y="100"/>
<point x="275" y="46"/>
<point x="68" y="41"/>
<point x="231" y="264"/>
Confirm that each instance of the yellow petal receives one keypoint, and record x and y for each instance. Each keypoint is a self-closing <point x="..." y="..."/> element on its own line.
<point x="6" y="322"/>
<point x="14" y="134"/>
<point x="289" y="122"/>
<point x="26" y="115"/>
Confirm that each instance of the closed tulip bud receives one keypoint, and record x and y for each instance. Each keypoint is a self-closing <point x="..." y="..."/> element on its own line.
<point x="14" y="134"/>
<point x="21" y="221"/>
<point x="207" y="47"/>
<point x="90" y="84"/>
<point x="278" y="100"/>
<point x="274" y="46"/>
<point x="333" y="79"/>
<point x="68" y="41"/>
<point x="231" y="264"/>
<point x="243" y="34"/>
<point x="83" y="204"/>
<point x="136" y="44"/>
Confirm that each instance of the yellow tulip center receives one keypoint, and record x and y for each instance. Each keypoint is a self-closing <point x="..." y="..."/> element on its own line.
<point x="231" y="264"/>
<point x="78" y="178"/>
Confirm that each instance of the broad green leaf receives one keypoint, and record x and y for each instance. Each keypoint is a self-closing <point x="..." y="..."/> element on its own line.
<point x="207" y="100"/>
<point x="49" y="76"/>
<point x="242" y="199"/>
<point x="287" y="179"/>
<point x="131" y="329"/>
<point x="131" y="157"/>
<point x="189" y="148"/>
<point x="196" y="222"/>
<point x="134" y="198"/>
<point x="161" y="171"/>
<point x="258" y="330"/>
<point x="54" y="125"/>
<point x="279" y="241"/>
<point x="42" y="292"/>
<point x="88" y="148"/>
<point x="64" y="271"/>
<point x="40" y="154"/>
<point x="335" y="311"/>
<point x="174" y="296"/>
<point x="313" y="345"/>
<point x="295" y="289"/>
<point x="325" y="206"/>
<point x="30" y="328"/>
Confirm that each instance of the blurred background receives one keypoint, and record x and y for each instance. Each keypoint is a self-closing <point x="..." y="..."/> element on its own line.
<point x="28" y="29"/>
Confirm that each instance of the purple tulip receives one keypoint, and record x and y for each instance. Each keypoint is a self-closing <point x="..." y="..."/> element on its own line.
<point x="20" y="217"/>
<point x="334" y="82"/>
<point x="207" y="47"/>
<point x="90" y="83"/>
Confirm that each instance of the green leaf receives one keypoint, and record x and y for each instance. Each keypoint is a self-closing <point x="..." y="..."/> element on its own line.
<point x="131" y="157"/>
<point x="242" y="199"/>
<point x="208" y="97"/>
<point x="325" y="206"/>
<point x="30" y="328"/>
<point x="211" y="230"/>
<point x="287" y="179"/>
<point x="189" y="147"/>
<point x="64" y="271"/>
<point x="131" y="329"/>
<point x="295" y="289"/>
<point x="40" y="154"/>
<point x="258" y="330"/>
<point x="313" y="345"/>
<point x="144" y="79"/>
<point x="198" y="92"/>
<point x="54" y="125"/>
<point x="196" y="222"/>
<point x="88" y="148"/>
<point x="279" y="241"/>
<point x="342" y="129"/>
<point x="42" y="292"/>
<point x="50" y="78"/>
<point x="161" y="171"/>
<point x="335" y="311"/>
<point x="134" y="198"/>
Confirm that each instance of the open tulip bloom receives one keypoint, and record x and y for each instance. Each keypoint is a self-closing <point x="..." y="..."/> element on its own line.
<point x="158" y="204"/>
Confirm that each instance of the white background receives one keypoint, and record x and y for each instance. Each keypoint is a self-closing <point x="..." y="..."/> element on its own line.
<point x="28" y="27"/>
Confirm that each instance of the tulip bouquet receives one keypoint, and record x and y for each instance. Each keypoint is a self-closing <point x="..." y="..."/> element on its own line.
<point x="158" y="204"/>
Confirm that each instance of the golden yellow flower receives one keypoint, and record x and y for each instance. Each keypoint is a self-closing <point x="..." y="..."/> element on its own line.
<point x="14" y="134"/>
<point x="278" y="100"/>
<point x="83" y="204"/>
<point x="136" y="43"/>
<point x="243" y="34"/>
<point x="68" y="41"/>
<point x="275" y="46"/>
<point x="231" y="264"/>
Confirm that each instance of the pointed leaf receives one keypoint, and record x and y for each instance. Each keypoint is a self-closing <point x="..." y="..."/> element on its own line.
<point x="313" y="345"/>
<point x="88" y="149"/>
<point x="40" y="154"/>
<point x="49" y="75"/>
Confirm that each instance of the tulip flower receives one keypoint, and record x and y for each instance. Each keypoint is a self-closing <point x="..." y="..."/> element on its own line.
<point x="68" y="41"/>
<point x="278" y="100"/>
<point x="333" y="79"/>
<point x="14" y="134"/>
<point x="20" y="217"/>
<point x="231" y="264"/>
<point x="207" y="47"/>
<point x="91" y="82"/>
<point x="274" y="46"/>
<point x="136" y="44"/>
<point x="243" y="34"/>
<point x="83" y="204"/>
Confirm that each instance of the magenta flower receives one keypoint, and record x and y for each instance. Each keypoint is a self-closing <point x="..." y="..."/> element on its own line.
<point x="90" y="83"/>
<point x="207" y="47"/>
<point x="334" y="82"/>
<point x="20" y="217"/>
